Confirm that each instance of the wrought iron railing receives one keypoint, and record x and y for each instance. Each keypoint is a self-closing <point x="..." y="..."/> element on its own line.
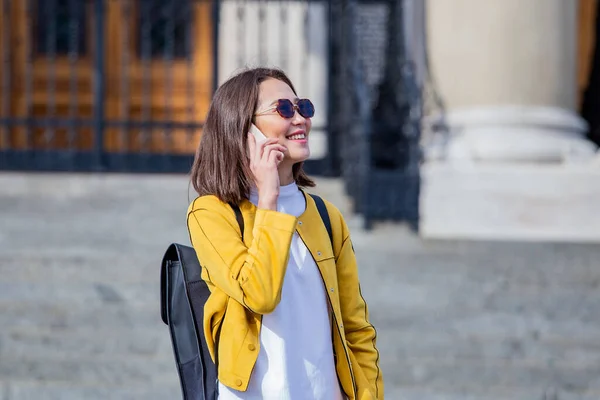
<point x="380" y="150"/>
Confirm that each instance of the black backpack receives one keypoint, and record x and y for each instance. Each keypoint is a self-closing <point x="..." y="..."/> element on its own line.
<point x="182" y="297"/>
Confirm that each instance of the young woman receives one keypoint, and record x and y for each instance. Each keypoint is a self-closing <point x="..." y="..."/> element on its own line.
<point x="285" y="318"/>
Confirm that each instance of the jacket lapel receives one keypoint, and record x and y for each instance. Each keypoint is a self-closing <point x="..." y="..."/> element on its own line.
<point x="313" y="233"/>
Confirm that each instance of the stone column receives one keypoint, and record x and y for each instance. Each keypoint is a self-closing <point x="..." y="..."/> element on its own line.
<point x="507" y="73"/>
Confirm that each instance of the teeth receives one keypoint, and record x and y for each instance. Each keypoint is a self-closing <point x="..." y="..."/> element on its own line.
<point x="297" y="137"/>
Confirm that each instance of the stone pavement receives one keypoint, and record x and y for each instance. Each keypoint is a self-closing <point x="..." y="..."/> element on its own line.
<point x="79" y="299"/>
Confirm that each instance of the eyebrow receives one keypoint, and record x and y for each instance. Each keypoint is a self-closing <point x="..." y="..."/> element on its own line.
<point x="294" y="100"/>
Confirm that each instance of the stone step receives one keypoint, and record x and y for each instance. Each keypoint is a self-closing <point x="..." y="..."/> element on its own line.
<point x="66" y="316"/>
<point x="412" y="268"/>
<point x="452" y="346"/>
<point x="429" y="360"/>
<point x="83" y="343"/>
<point x="94" y="314"/>
<point x="66" y="390"/>
<point x="503" y="263"/>
<point x="81" y="294"/>
<point x="31" y="390"/>
<point x="433" y="291"/>
<point x="154" y="341"/>
<point x="429" y="378"/>
<point x="479" y="321"/>
<point x="503" y="332"/>
<point x="77" y="267"/>
<point x="481" y="374"/>
<point x="470" y="392"/>
<point x="457" y="303"/>
<point x="111" y="370"/>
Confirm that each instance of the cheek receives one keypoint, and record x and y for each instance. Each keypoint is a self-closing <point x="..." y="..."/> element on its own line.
<point x="281" y="127"/>
<point x="274" y="127"/>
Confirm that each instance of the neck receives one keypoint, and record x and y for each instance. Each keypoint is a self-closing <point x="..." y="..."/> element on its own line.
<point x="286" y="175"/>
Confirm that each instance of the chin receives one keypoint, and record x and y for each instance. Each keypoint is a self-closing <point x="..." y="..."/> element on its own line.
<point x="300" y="156"/>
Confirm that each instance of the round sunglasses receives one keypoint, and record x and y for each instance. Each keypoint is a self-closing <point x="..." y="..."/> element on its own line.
<point x="287" y="109"/>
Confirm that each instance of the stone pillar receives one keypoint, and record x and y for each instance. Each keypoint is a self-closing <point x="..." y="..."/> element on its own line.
<point x="516" y="164"/>
<point x="507" y="71"/>
<point x="504" y="51"/>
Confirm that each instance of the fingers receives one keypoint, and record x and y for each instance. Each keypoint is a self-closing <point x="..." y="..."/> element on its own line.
<point x="268" y="151"/>
<point x="261" y="148"/>
<point x="274" y="153"/>
<point x="275" y="157"/>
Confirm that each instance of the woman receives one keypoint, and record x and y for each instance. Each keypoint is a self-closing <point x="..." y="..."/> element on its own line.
<point x="285" y="318"/>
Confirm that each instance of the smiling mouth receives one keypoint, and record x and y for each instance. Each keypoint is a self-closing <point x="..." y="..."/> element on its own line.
<point x="298" y="136"/>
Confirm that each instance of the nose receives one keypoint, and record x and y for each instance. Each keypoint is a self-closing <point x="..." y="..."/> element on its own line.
<point x="298" y="119"/>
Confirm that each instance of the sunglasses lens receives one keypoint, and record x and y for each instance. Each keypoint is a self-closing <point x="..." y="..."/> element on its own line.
<point x="285" y="108"/>
<point x="306" y="108"/>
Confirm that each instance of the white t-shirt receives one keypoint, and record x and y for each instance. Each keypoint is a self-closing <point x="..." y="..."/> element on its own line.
<point x="295" y="361"/>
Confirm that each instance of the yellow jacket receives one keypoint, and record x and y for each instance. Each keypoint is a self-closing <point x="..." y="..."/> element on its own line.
<point x="245" y="279"/>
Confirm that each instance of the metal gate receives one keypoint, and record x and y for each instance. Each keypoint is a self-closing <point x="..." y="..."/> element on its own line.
<point x="377" y="121"/>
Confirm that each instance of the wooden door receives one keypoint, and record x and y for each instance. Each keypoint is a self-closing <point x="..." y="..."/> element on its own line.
<point x="156" y="71"/>
<point x="159" y="68"/>
<point x="586" y="43"/>
<point x="50" y="74"/>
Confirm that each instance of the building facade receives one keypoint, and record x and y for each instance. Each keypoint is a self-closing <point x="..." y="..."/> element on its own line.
<point x="125" y="85"/>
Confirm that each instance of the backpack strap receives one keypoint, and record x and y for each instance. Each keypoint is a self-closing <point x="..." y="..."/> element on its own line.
<point x="322" y="209"/>
<point x="239" y="217"/>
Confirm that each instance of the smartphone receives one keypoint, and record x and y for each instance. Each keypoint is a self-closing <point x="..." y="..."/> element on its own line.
<point x="258" y="135"/>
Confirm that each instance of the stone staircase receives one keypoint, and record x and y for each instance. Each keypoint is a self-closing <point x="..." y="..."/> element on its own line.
<point x="79" y="300"/>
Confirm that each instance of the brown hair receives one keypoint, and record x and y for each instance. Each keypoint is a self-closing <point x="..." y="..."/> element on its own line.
<point x="221" y="165"/>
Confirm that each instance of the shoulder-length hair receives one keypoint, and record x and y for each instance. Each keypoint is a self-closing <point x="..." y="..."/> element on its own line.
<point x="221" y="165"/>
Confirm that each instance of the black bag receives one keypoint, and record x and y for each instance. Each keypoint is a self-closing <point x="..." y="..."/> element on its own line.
<point x="182" y="298"/>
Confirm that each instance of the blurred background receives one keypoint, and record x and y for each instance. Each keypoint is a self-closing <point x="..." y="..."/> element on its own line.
<point x="459" y="138"/>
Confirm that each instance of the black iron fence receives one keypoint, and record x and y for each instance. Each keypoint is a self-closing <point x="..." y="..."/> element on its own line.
<point x="379" y="112"/>
<point x="123" y="85"/>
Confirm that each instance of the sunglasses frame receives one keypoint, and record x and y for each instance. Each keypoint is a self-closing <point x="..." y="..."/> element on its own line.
<point x="294" y="107"/>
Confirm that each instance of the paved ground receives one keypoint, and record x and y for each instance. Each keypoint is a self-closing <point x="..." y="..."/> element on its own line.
<point x="79" y="315"/>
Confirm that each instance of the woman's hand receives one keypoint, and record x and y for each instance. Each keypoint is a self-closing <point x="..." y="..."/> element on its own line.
<point x="265" y="158"/>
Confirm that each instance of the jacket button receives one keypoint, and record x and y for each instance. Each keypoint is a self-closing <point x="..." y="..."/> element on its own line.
<point x="251" y="347"/>
<point x="299" y="222"/>
<point x="318" y="253"/>
<point x="238" y="382"/>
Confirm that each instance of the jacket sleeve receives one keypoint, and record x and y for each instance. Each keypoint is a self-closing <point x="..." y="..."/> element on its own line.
<point x="360" y="333"/>
<point x="253" y="276"/>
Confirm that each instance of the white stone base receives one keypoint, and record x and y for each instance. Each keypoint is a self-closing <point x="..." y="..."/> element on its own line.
<point x="510" y="202"/>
